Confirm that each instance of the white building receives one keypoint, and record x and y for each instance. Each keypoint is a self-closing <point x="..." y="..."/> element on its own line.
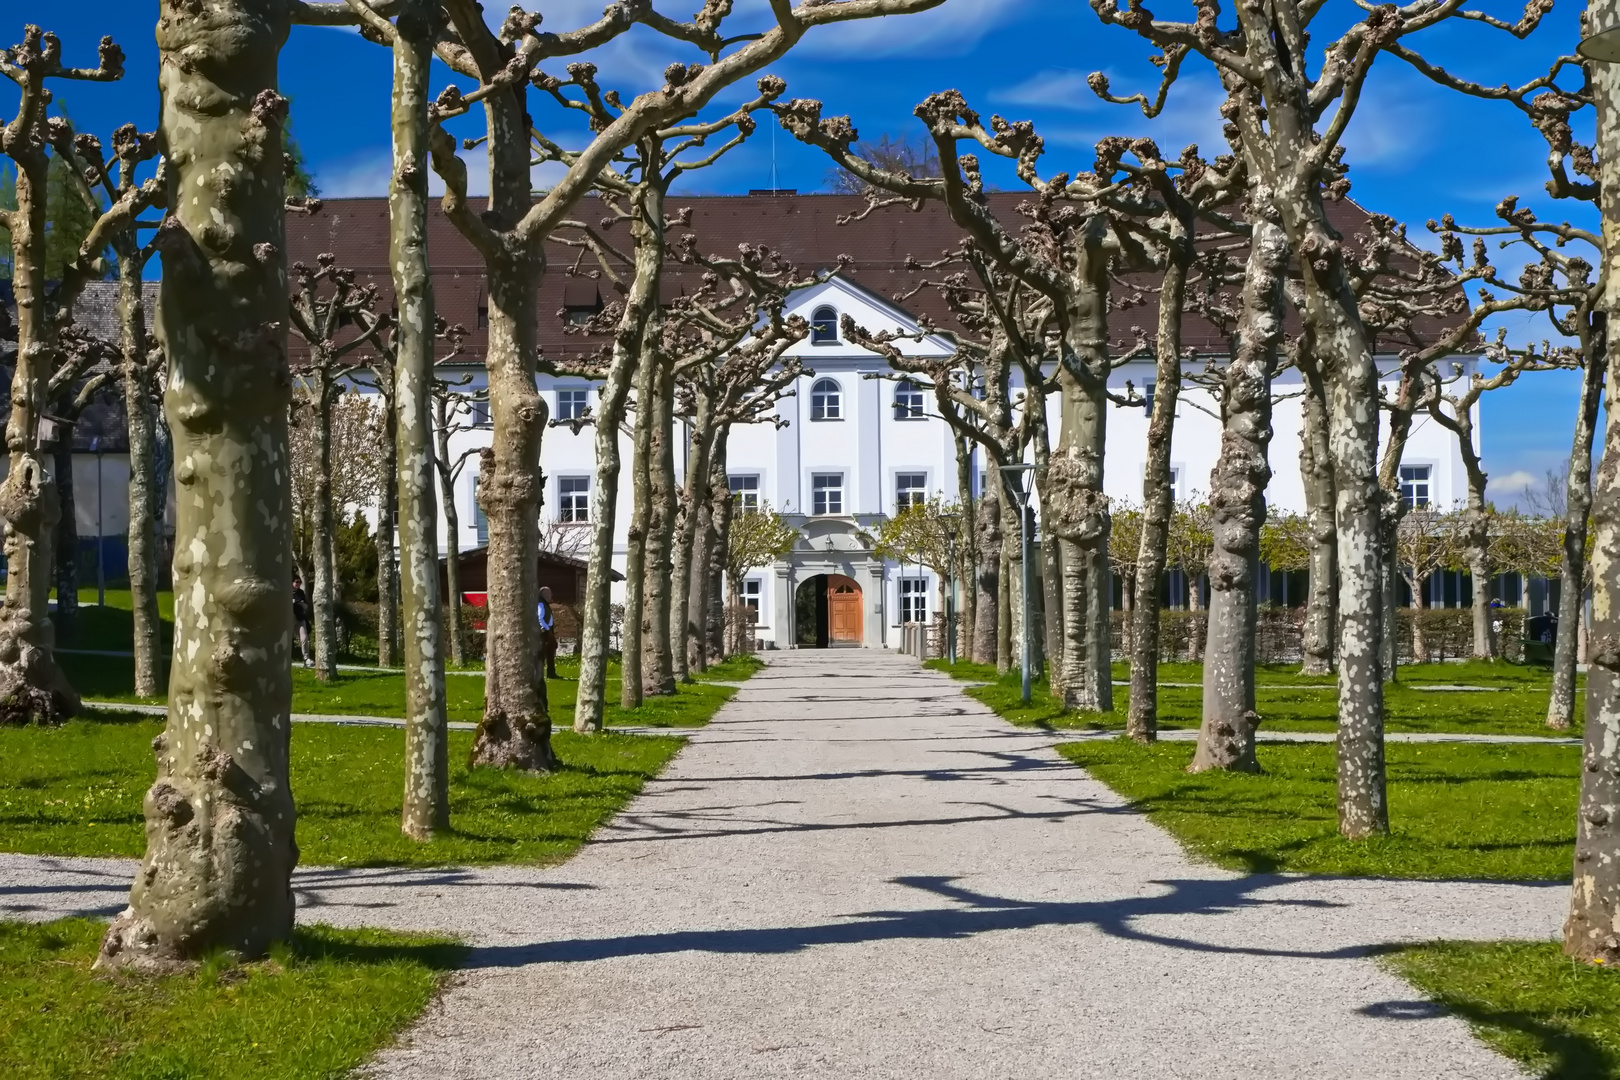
<point x="855" y="448"/>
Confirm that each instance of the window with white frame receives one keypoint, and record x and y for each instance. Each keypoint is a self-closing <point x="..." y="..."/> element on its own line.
<point x="753" y="589"/>
<point x="1175" y="482"/>
<point x="824" y="326"/>
<point x="1415" y="488"/>
<point x="913" y="600"/>
<point x="910" y="489"/>
<point x="479" y="408"/>
<point x="572" y="401"/>
<point x="1147" y="396"/>
<point x="908" y="400"/>
<point x="574" y="498"/>
<point x="827" y="493"/>
<point x="744" y="493"/>
<point x="826" y="401"/>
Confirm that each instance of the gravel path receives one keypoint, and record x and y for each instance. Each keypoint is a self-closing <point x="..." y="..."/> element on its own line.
<point x="856" y="871"/>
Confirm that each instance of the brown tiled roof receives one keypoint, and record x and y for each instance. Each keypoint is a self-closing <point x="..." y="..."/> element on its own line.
<point x="803" y="228"/>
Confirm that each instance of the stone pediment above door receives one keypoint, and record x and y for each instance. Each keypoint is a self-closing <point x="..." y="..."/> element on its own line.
<point x="832" y="534"/>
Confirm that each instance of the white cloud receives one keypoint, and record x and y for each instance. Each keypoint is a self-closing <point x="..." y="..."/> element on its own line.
<point x="368" y="175"/>
<point x="1514" y="483"/>
<point x="1189" y="116"/>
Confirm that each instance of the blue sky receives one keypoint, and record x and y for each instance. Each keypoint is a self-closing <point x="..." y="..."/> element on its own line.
<point x="1416" y="151"/>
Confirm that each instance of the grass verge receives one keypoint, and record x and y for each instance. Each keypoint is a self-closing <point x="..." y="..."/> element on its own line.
<point x="1513" y="701"/>
<point x="1559" y="1018"/>
<point x="382" y="693"/>
<point x="1457" y="811"/>
<point x="316" y="1009"/>
<point x="77" y="790"/>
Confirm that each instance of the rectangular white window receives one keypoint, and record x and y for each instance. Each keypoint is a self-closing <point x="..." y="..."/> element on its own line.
<point x="479" y="408"/>
<point x="913" y="600"/>
<point x="827" y="493"/>
<point x="744" y="493"/>
<point x="1175" y="482"/>
<point x="910" y="489"/>
<point x="1415" y="486"/>
<point x="571" y="403"/>
<point x="574" y="498"/>
<point x="752" y="590"/>
<point x="1147" y="396"/>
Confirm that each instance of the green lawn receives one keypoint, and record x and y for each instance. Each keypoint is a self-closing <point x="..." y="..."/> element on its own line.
<point x="77" y="790"/>
<point x="316" y="1009"/>
<point x="382" y="693"/>
<point x="1516" y="704"/>
<point x="1457" y="811"/>
<point x="1559" y="1018"/>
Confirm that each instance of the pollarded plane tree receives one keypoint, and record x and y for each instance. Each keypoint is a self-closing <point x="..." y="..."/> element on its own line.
<point x="729" y="339"/>
<point x="32" y="687"/>
<point x="664" y="342"/>
<point x="90" y="365"/>
<point x="140" y="367"/>
<point x="416" y="27"/>
<point x="999" y="322"/>
<point x="509" y="232"/>
<point x="220" y="817"/>
<point x="327" y="306"/>
<point x="1580" y="318"/>
<point x="635" y="188"/>
<point x="1291" y="117"/>
<point x="1409" y="300"/>
<point x="1065" y="252"/>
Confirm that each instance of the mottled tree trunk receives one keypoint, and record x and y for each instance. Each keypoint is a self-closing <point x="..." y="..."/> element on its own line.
<point x="1054" y="603"/>
<point x="1420" y="646"/>
<point x="635" y="566"/>
<point x="598" y="602"/>
<point x="387" y="516"/>
<point x="426" y="806"/>
<point x="219" y="818"/>
<point x="1477" y="532"/>
<point x="323" y="592"/>
<point x="516" y="728"/>
<point x="1577" y="505"/>
<point x="722" y="509"/>
<point x="658" y="663"/>
<point x="1007" y="577"/>
<point x="629" y="347"/>
<point x="1074" y="510"/>
<point x="987" y="578"/>
<point x="1353" y="438"/>
<point x="32" y="687"/>
<point x="1237" y="504"/>
<point x="967" y="554"/>
<point x="145" y="489"/>
<point x="1592" y="931"/>
<point x="456" y="627"/>
<point x="1321" y="599"/>
<point x="1389" y="593"/>
<point x="1099" y="620"/>
<point x="65" y="544"/>
<point x="1158" y="503"/>
<point x="683" y="628"/>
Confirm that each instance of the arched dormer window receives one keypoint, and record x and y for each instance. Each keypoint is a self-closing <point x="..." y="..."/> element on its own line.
<point x="826" y="401"/>
<point x="824" y="326"/>
<point x="908" y="400"/>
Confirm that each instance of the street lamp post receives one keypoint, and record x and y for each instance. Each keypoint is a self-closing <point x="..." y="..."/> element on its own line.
<point x="950" y="522"/>
<point x="1014" y="477"/>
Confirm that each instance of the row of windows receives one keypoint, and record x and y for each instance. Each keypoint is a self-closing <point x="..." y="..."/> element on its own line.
<point x="826" y="403"/>
<point x="827" y="492"/>
<point x="827" y="400"/>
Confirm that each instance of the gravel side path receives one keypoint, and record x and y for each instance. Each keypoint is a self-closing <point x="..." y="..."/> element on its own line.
<point x="856" y="871"/>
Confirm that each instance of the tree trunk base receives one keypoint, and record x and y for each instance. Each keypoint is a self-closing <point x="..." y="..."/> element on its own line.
<point x="503" y="744"/>
<point x="1228" y="745"/>
<point x="1315" y="666"/>
<point x="33" y="690"/>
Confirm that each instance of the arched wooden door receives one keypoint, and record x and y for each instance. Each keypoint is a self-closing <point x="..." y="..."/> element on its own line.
<point x="844" y="622"/>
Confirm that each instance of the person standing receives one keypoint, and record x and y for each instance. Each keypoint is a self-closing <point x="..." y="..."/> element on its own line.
<point x="548" y="634"/>
<point x="300" y="604"/>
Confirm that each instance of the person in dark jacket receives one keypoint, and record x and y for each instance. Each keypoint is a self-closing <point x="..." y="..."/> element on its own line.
<point x="548" y="634"/>
<point x="301" y="619"/>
